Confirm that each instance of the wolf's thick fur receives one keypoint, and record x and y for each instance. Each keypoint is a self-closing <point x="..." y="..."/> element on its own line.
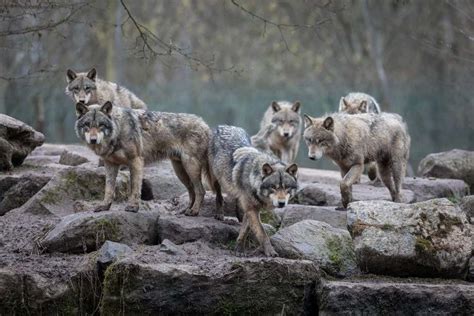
<point x="280" y="130"/>
<point x="88" y="89"/>
<point x="352" y="140"/>
<point x="117" y="136"/>
<point x="358" y="103"/>
<point x="258" y="180"/>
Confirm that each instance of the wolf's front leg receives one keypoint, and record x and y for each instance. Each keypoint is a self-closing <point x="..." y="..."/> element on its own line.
<point x="243" y="233"/>
<point x="257" y="228"/>
<point x="346" y="184"/>
<point x="136" y="178"/>
<point x="111" y="171"/>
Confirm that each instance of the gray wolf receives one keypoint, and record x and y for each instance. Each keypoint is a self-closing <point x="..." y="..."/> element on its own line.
<point x="280" y="130"/>
<point x="117" y="136"/>
<point x="256" y="179"/>
<point x="353" y="140"/>
<point x="357" y="103"/>
<point x="88" y="89"/>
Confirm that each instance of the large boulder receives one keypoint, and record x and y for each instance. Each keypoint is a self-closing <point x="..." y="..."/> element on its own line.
<point x="182" y="229"/>
<point x="163" y="181"/>
<point x="330" y="194"/>
<point x="331" y="248"/>
<point x="71" y="185"/>
<point x="454" y="164"/>
<point x="395" y="297"/>
<point x="214" y="285"/>
<point x="294" y="213"/>
<point x="17" y="140"/>
<point x="15" y="191"/>
<point x="431" y="238"/>
<point x="86" y="232"/>
<point x="433" y="188"/>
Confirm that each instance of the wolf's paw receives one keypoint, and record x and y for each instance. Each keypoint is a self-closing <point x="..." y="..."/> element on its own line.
<point x="132" y="208"/>
<point x="102" y="207"/>
<point x="219" y="217"/>
<point x="239" y="251"/>
<point x="270" y="252"/>
<point x="191" y="212"/>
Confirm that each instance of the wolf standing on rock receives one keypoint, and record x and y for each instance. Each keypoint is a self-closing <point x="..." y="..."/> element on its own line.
<point x="117" y="136"/>
<point x="88" y="89"/>
<point x="352" y="140"/>
<point x="256" y="179"/>
<point x="280" y="130"/>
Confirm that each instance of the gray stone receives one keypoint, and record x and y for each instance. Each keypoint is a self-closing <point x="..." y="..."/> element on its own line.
<point x="112" y="251"/>
<point x="395" y="297"/>
<point x="17" y="140"/>
<point x="181" y="229"/>
<point x="85" y="232"/>
<point x="72" y="159"/>
<point x="430" y="238"/>
<point x="15" y="191"/>
<point x="330" y="194"/>
<point x="163" y="181"/>
<point x="331" y="248"/>
<point x="210" y="285"/>
<point x="467" y="205"/>
<point x="295" y="213"/>
<point x="454" y="164"/>
<point x="432" y="188"/>
<point x="167" y="246"/>
<point x="470" y="270"/>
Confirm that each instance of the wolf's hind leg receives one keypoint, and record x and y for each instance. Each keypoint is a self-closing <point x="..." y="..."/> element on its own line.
<point x="398" y="172"/>
<point x="385" y="171"/>
<point x="219" y="215"/>
<point x="183" y="176"/>
<point x="194" y="170"/>
<point x="136" y="178"/>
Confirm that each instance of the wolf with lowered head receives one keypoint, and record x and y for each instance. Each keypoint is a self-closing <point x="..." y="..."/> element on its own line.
<point x="354" y="140"/>
<point x="117" y="136"/>
<point x="280" y="130"/>
<point x="85" y="87"/>
<point x="357" y="103"/>
<point x="256" y="179"/>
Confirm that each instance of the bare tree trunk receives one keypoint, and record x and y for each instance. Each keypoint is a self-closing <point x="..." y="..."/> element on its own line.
<point x="39" y="113"/>
<point x="376" y="53"/>
<point x="118" y="43"/>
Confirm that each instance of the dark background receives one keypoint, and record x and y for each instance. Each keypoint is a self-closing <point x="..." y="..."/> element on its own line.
<point x="227" y="60"/>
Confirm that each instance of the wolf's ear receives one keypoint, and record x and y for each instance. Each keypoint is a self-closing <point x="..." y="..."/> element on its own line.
<point x="363" y="106"/>
<point x="296" y="106"/>
<point x="342" y="104"/>
<point x="81" y="109"/>
<point x="266" y="170"/>
<point x="308" y="121"/>
<point x="292" y="170"/>
<point x="275" y="106"/>
<point x="107" y="108"/>
<point x="329" y="124"/>
<point x="70" y="75"/>
<point x="92" y="74"/>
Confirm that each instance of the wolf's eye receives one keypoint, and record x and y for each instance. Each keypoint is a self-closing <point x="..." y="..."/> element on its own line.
<point x="277" y="121"/>
<point x="75" y="89"/>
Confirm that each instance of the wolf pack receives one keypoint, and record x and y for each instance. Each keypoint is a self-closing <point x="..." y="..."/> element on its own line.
<point x="259" y="171"/>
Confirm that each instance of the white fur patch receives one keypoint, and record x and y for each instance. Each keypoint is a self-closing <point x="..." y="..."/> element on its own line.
<point x="276" y="201"/>
<point x="316" y="153"/>
<point x="87" y="135"/>
<point x="100" y="137"/>
<point x="85" y="100"/>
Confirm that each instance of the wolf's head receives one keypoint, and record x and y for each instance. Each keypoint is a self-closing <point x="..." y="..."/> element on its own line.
<point x="82" y="86"/>
<point x="279" y="183"/>
<point x="353" y="106"/>
<point x="286" y="118"/>
<point x="94" y="123"/>
<point x="319" y="136"/>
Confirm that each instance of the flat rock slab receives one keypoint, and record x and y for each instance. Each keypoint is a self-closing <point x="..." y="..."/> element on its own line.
<point x="182" y="229"/>
<point x="294" y="213"/>
<point x="394" y="298"/>
<point x="17" y="140"/>
<point x="330" y="194"/>
<point x="331" y="248"/>
<point x="209" y="285"/>
<point x="86" y="232"/>
<point x="454" y="164"/>
<point x="427" y="239"/>
<point x="432" y="188"/>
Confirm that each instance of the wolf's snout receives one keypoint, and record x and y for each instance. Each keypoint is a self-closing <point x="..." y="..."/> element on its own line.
<point x="286" y="134"/>
<point x="312" y="157"/>
<point x="281" y="204"/>
<point x="93" y="140"/>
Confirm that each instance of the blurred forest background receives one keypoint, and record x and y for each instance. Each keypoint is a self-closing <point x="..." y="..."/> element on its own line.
<point x="226" y="60"/>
